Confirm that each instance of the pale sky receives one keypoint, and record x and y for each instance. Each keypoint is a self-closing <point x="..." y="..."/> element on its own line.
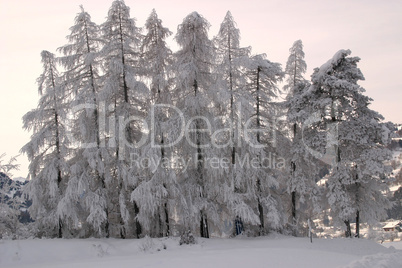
<point x="372" y="30"/>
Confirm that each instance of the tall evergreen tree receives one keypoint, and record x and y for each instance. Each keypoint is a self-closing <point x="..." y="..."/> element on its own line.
<point x="125" y="98"/>
<point x="156" y="58"/>
<point x="157" y="188"/>
<point x="301" y="167"/>
<point x="87" y="183"/>
<point x="295" y="66"/>
<point x="194" y="63"/>
<point x="235" y="103"/>
<point x="304" y="167"/>
<point x="358" y="141"/>
<point x="47" y="150"/>
<point x="263" y="76"/>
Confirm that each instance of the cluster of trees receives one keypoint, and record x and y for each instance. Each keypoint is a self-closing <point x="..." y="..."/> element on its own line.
<point x="131" y="138"/>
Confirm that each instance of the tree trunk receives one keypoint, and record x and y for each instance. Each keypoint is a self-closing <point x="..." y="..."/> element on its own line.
<point x="294" y="211"/>
<point x="60" y="233"/>
<point x="204" y="232"/>
<point x="57" y="137"/>
<point x="357" y="201"/>
<point x="357" y="224"/>
<point x="260" y="207"/>
<point x="165" y="206"/>
<point x="203" y="221"/>
<point x="261" y="215"/>
<point x="138" y="228"/>
<point x="348" y="232"/>
<point x="293" y="172"/>
<point x="167" y="233"/>
<point x="107" y="232"/>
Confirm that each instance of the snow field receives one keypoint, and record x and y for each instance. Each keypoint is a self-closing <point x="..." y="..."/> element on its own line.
<point x="271" y="251"/>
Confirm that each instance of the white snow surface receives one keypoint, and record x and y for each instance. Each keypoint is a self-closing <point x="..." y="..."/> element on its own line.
<point x="271" y="251"/>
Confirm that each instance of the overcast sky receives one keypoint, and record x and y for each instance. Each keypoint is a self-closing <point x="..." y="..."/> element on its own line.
<point x="372" y="30"/>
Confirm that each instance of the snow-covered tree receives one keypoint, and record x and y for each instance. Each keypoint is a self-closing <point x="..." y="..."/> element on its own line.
<point x="263" y="76"/>
<point x="194" y="87"/>
<point x="235" y="102"/>
<point x="47" y="150"/>
<point x="156" y="57"/>
<point x="157" y="186"/>
<point x="295" y="66"/>
<point x="300" y="178"/>
<point x="365" y="140"/>
<point x="232" y="60"/>
<point x="125" y="98"/>
<point x="357" y="139"/>
<point x="87" y="182"/>
<point x="9" y="201"/>
<point x="302" y="165"/>
<point x="7" y="168"/>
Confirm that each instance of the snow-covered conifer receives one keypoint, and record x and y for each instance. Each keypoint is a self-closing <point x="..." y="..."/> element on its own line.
<point x="358" y="141"/>
<point x="263" y="76"/>
<point x="235" y="102"/>
<point x="300" y="177"/>
<point x="295" y="66"/>
<point x="47" y="150"/>
<point x="300" y="183"/>
<point x="87" y="182"/>
<point x="194" y="89"/>
<point x="157" y="187"/>
<point x="126" y="99"/>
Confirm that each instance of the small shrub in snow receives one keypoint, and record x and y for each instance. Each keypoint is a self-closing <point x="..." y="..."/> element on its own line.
<point x="382" y="236"/>
<point x="148" y="245"/>
<point x="392" y="235"/>
<point x="187" y="238"/>
<point x="100" y="250"/>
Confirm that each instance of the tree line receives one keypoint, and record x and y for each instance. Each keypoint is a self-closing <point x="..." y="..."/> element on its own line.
<point x="130" y="138"/>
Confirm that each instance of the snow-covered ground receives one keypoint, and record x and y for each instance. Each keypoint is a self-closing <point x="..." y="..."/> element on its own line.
<point x="271" y="251"/>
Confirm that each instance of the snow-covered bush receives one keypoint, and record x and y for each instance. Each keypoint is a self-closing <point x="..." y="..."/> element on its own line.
<point x="381" y="235"/>
<point x="146" y="244"/>
<point x="149" y="244"/>
<point x="187" y="238"/>
<point x="100" y="250"/>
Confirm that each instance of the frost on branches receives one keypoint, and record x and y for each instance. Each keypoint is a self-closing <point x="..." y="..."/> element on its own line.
<point x="355" y="180"/>
<point x="133" y="139"/>
<point x="48" y="149"/>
